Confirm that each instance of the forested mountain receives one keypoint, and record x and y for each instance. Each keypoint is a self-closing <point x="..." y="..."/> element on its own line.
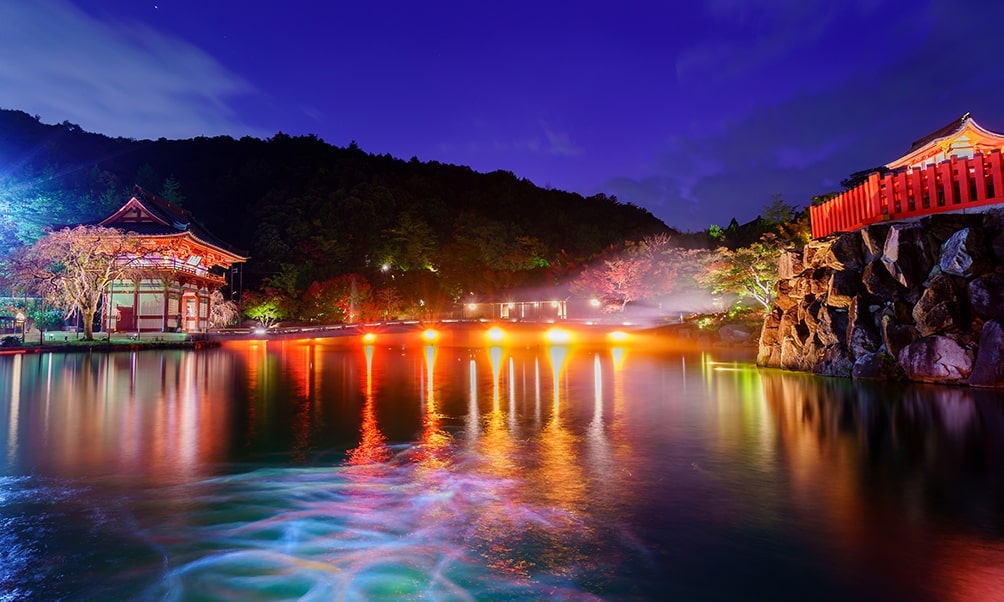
<point x="311" y="210"/>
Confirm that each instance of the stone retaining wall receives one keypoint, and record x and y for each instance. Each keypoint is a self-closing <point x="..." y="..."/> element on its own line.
<point x="922" y="300"/>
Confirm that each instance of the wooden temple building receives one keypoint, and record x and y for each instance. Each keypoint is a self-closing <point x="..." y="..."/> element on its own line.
<point x="184" y="264"/>
<point x="956" y="168"/>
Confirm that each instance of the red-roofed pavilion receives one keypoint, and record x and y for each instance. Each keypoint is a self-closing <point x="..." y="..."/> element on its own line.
<point x="185" y="264"/>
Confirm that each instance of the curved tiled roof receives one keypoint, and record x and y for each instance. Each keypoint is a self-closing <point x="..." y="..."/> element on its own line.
<point x="168" y="219"/>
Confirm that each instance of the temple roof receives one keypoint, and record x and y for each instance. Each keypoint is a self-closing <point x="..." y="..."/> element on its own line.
<point x="960" y="138"/>
<point x="952" y="128"/>
<point x="150" y="215"/>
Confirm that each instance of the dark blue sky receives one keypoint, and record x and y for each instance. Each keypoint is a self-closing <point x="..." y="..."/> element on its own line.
<point x="699" y="111"/>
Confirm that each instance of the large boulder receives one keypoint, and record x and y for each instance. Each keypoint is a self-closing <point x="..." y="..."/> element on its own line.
<point x="831" y="326"/>
<point x="942" y="226"/>
<point x="862" y="337"/>
<point x="790" y="265"/>
<point x="873" y="241"/>
<point x="791" y="353"/>
<point x="986" y="296"/>
<point x="964" y="253"/>
<point x="936" y="359"/>
<point x="896" y="335"/>
<point x="769" y="341"/>
<point x="835" y="360"/>
<point x="845" y="253"/>
<point x="842" y="287"/>
<point x="988" y="369"/>
<point x="815" y="251"/>
<point x="940" y="307"/>
<point x="877" y="280"/>
<point x="877" y="366"/>
<point x="820" y="282"/>
<point x="786" y="294"/>
<point x="908" y="254"/>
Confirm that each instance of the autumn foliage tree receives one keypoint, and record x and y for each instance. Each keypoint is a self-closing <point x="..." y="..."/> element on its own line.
<point x="347" y="298"/>
<point x="70" y="268"/>
<point x="638" y="271"/>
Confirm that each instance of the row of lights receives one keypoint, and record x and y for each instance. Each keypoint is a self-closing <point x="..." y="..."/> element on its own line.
<point x="554" y="336"/>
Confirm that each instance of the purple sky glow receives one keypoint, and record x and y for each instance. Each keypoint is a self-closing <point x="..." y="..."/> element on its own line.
<point x="699" y="111"/>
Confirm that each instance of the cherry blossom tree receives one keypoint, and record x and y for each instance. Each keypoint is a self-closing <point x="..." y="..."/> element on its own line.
<point x="223" y="313"/>
<point x="72" y="267"/>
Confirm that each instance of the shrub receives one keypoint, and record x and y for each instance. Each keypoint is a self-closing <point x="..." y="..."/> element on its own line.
<point x="10" y="341"/>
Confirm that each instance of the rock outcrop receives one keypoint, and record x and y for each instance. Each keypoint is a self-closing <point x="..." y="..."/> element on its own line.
<point x="922" y="300"/>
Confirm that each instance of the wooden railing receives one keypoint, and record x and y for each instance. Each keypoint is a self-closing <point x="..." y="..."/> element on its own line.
<point x="952" y="185"/>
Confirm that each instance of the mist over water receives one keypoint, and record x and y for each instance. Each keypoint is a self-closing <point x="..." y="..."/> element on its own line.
<point x="298" y="470"/>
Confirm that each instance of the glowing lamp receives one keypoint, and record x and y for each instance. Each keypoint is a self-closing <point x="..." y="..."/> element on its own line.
<point x="495" y="334"/>
<point x="429" y="335"/>
<point x="472" y="306"/>
<point x="557" y="336"/>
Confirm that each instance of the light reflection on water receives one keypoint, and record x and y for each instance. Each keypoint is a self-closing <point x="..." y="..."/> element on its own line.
<point x="278" y="471"/>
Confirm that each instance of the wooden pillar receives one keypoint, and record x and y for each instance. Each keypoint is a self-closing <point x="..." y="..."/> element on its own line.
<point x="165" y="304"/>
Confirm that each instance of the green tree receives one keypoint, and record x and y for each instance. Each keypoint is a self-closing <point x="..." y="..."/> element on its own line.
<point x="777" y="212"/>
<point x="749" y="272"/>
<point x="410" y="244"/>
<point x="266" y="307"/>
<point x="171" y="191"/>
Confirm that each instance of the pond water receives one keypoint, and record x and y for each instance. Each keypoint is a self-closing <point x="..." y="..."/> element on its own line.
<point x="305" y="470"/>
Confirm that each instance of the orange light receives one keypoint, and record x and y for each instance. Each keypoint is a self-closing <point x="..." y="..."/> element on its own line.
<point x="558" y="336"/>
<point x="618" y="336"/>
<point x="369" y="337"/>
<point x="429" y="335"/>
<point x="495" y="334"/>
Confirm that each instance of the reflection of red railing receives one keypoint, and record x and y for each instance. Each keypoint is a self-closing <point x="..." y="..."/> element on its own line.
<point x="952" y="185"/>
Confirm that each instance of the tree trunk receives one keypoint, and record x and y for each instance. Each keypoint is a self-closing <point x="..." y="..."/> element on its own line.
<point x="87" y="315"/>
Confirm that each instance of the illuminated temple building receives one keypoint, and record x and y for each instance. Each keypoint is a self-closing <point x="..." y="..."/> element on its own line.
<point x="184" y="264"/>
<point x="957" y="168"/>
<point x="960" y="139"/>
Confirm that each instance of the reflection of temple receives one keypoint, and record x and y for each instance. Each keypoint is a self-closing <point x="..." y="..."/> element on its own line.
<point x="184" y="266"/>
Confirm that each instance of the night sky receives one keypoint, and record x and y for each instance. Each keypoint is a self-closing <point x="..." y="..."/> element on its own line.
<point x="699" y="111"/>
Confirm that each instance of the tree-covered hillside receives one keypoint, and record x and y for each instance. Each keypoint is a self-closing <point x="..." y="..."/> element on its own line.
<point x="308" y="209"/>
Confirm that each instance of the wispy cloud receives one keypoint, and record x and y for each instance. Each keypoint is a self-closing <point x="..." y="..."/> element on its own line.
<point x="120" y="79"/>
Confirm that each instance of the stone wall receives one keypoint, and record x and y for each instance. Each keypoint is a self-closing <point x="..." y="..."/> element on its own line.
<point x="922" y="300"/>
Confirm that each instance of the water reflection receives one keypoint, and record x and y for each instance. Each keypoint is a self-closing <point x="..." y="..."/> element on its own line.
<point x="285" y="469"/>
<point x="372" y="448"/>
<point x="880" y="467"/>
<point x="151" y="415"/>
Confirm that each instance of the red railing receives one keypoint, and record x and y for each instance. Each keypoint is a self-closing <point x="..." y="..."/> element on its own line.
<point x="952" y="185"/>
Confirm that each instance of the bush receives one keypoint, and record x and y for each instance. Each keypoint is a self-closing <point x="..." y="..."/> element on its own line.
<point x="10" y="341"/>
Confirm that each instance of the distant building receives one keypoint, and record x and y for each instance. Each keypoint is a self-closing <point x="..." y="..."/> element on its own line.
<point x="184" y="266"/>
